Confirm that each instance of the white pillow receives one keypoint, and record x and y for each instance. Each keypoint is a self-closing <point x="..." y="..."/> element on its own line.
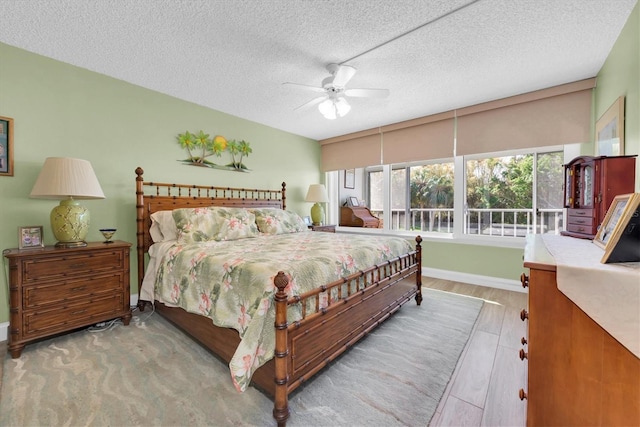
<point x="163" y="227"/>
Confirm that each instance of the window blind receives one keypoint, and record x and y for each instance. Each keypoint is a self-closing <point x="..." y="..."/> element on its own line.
<point x="554" y="116"/>
<point x="352" y="151"/>
<point x="420" y="139"/>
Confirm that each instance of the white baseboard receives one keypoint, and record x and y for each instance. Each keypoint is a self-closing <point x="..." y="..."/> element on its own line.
<point x="4" y="326"/>
<point x="474" y="279"/>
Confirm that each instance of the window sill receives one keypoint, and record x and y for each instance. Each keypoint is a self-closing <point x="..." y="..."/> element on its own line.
<point x="492" y="241"/>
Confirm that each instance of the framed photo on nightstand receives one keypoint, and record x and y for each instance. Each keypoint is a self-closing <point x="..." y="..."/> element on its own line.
<point x="30" y="237"/>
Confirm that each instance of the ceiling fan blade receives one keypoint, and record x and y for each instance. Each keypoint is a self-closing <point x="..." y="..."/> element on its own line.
<point x="342" y="74"/>
<point x="367" y="93"/>
<point x="313" y="88"/>
<point x="311" y="103"/>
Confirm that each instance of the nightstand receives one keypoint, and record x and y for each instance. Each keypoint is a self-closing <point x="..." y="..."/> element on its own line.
<point x="325" y="228"/>
<point x="54" y="290"/>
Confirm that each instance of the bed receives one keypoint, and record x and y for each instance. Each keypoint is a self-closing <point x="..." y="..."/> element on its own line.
<point x="309" y="312"/>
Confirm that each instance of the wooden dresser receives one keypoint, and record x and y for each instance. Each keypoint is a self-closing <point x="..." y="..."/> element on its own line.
<point x="358" y="217"/>
<point x="54" y="290"/>
<point x="590" y="184"/>
<point x="578" y="374"/>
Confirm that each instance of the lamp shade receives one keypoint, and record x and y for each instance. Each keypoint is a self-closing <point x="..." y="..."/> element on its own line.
<point x="63" y="177"/>
<point x="317" y="193"/>
<point x="68" y="179"/>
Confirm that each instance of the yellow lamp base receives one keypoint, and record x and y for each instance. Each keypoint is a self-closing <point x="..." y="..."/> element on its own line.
<point x="317" y="214"/>
<point x="70" y="224"/>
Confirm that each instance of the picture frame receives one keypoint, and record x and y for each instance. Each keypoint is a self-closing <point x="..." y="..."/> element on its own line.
<point x="350" y="178"/>
<point x="6" y="146"/>
<point x="610" y="130"/>
<point x="619" y="233"/>
<point x="30" y="237"/>
<point x="307" y="220"/>
<point x="352" y="201"/>
<point x="611" y="219"/>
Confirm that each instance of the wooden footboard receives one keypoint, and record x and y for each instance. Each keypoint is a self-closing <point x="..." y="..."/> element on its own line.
<point x="341" y="313"/>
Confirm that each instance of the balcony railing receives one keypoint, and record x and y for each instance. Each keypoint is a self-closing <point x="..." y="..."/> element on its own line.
<point x="485" y="222"/>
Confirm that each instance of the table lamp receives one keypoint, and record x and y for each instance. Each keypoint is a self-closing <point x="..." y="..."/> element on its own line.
<point x="317" y="193"/>
<point x="69" y="180"/>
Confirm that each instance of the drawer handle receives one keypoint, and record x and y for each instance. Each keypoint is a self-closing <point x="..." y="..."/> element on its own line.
<point x="524" y="315"/>
<point x="524" y="279"/>
<point x="580" y="221"/>
<point x="79" y="288"/>
<point x="78" y="265"/>
<point x="522" y="394"/>
<point x="523" y="354"/>
<point x="79" y="311"/>
<point x="581" y="213"/>
<point x="523" y="340"/>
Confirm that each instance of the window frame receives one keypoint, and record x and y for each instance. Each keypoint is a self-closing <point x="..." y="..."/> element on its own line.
<point x="459" y="162"/>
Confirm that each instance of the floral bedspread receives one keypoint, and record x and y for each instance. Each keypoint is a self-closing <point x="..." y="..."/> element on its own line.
<point x="231" y="282"/>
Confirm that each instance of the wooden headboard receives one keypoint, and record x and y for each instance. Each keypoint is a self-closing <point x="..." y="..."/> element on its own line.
<point x="154" y="196"/>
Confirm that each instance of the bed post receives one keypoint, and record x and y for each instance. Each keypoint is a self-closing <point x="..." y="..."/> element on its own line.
<point x="140" y="231"/>
<point x="281" y="400"/>
<point x="419" y="272"/>
<point x="284" y="195"/>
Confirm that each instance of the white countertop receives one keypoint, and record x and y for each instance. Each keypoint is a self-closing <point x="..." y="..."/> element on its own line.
<point x="608" y="293"/>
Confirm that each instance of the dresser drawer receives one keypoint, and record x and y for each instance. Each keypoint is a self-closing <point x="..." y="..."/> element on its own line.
<point x="581" y="212"/>
<point x="581" y="220"/>
<point x="578" y="228"/>
<point x="35" y="296"/>
<point x="67" y="316"/>
<point x="56" y="267"/>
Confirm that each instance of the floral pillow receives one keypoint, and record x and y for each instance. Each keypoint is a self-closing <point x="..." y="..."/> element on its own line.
<point x="278" y="221"/>
<point x="213" y="223"/>
<point x="235" y="223"/>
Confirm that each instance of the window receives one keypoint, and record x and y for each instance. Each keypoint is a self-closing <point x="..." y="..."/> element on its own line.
<point x="505" y="195"/>
<point x="421" y="196"/>
<point x="514" y="195"/>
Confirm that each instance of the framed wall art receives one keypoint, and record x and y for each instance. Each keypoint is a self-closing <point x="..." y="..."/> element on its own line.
<point x="610" y="130"/>
<point x="6" y="146"/>
<point x="350" y="178"/>
<point x="30" y="237"/>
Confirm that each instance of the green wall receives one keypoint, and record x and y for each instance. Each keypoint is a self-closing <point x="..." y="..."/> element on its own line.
<point x="505" y="263"/>
<point x="64" y="111"/>
<point x="620" y="76"/>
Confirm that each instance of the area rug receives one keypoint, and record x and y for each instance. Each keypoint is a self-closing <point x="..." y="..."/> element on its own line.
<point x="151" y="374"/>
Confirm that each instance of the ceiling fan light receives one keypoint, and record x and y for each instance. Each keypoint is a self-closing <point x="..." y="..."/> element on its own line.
<point x="328" y="109"/>
<point x="342" y="106"/>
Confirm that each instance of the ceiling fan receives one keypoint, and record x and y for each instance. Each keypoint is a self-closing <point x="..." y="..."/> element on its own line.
<point x="333" y="103"/>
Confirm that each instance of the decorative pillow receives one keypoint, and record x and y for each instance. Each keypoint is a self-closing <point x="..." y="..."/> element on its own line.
<point x="235" y="223"/>
<point x="278" y="221"/>
<point x="214" y="223"/>
<point x="163" y="227"/>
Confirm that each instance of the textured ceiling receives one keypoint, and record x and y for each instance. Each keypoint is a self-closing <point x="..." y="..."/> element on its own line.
<point x="234" y="55"/>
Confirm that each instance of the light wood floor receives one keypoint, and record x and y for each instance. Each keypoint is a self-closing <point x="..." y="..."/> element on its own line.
<point x="484" y="388"/>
